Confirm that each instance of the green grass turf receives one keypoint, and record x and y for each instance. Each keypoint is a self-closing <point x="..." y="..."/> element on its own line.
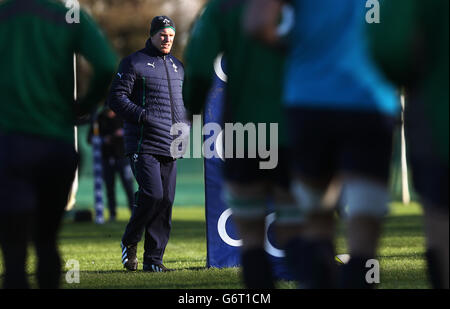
<point x="189" y="190"/>
<point x="96" y="248"/>
<point x="186" y="252"/>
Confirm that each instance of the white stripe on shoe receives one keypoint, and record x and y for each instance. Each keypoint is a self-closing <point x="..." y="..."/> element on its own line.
<point x="124" y="253"/>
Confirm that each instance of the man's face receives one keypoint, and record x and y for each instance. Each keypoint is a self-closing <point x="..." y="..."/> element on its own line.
<point x="163" y="40"/>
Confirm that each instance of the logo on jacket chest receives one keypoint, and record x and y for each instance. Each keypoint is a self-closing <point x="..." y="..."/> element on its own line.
<point x="175" y="68"/>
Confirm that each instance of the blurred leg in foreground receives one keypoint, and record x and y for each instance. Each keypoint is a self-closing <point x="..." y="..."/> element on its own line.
<point x="33" y="204"/>
<point x="251" y="194"/>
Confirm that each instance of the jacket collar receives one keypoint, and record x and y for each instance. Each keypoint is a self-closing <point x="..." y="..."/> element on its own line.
<point x="152" y="50"/>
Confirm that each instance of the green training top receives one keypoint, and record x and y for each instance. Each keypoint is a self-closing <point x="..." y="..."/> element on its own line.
<point x="411" y="43"/>
<point x="255" y="71"/>
<point x="36" y="60"/>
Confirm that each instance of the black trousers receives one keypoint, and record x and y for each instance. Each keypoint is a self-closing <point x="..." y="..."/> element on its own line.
<point x="152" y="213"/>
<point x="36" y="176"/>
<point x="110" y="167"/>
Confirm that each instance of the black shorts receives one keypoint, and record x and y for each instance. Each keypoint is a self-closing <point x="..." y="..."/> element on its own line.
<point x="36" y="174"/>
<point x="247" y="170"/>
<point x="325" y="142"/>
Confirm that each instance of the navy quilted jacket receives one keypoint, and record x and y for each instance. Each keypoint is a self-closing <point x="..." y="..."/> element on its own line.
<point x="147" y="94"/>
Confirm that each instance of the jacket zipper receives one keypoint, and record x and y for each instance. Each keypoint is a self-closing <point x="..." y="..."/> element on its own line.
<point x="142" y="125"/>
<point x="170" y="91"/>
<point x="136" y="155"/>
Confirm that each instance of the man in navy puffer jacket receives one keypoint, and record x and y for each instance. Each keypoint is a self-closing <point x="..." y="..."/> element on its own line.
<point x="147" y="94"/>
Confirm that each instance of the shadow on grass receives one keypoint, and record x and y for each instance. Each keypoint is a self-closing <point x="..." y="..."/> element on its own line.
<point x="182" y="230"/>
<point x="410" y="226"/>
<point x="395" y="226"/>
<point x="402" y="256"/>
<point x="194" y="268"/>
<point x="140" y="271"/>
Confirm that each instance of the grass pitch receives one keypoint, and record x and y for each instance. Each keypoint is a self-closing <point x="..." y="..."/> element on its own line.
<point x="97" y="249"/>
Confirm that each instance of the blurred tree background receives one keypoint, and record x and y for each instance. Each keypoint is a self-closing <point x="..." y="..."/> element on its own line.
<point x="127" y="23"/>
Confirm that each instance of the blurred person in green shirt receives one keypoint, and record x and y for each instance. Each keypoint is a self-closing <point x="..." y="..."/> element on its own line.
<point x="411" y="45"/>
<point x="37" y="117"/>
<point x="252" y="96"/>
